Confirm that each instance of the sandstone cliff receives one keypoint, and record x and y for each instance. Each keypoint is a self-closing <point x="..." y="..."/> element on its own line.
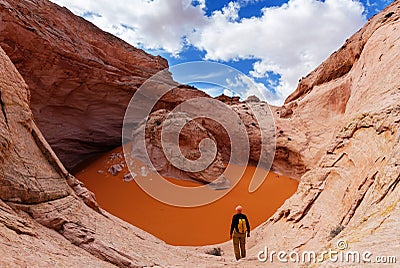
<point x="343" y="124"/>
<point x="43" y="220"/>
<point x="338" y="133"/>
<point x="81" y="78"/>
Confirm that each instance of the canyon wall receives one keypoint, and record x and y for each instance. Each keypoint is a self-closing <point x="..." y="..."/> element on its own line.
<point x="343" y="122"/>
<point x="47" y="217"/>
<point x="338" y="133"/>
<point x="81" y="78"/>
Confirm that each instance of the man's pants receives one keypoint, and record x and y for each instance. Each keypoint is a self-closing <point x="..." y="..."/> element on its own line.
<point x="239" y="245"/>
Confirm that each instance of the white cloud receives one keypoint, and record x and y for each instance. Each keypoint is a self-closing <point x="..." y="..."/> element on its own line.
<point x="228" y="93"/>
<point x="245" y="86"/>
<point x="289" y="40"/>
<point x="151" y="24"/>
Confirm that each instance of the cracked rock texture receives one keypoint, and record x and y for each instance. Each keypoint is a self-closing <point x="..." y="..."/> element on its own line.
<point x="239" y="120"/>
<point x="341" y="126"/>
<point x="189" y="139"/>
<point x="338" y="133"/>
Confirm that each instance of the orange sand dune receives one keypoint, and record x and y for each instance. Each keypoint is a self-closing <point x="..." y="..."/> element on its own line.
<point x="203" y="225"/>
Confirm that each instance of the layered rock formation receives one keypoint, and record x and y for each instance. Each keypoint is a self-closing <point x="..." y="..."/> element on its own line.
<point x="80" y="77"/>
<point x="81" y="80"/>
<point x="338" y="133"/>
<point x="190" y="137"/>
<point x="343" y="124"/>
<point x="306" y="122"/>
<point x="235" y="124"/>
<point x="48" y="218"/>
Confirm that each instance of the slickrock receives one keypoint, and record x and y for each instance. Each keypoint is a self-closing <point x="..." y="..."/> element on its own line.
<point x="239" y="119"/>
<point x="338" y="134"/>
<point x="345" y="130"/>
<point x="81" y="78"/>
<point x="189" y="140"/>
<point x="43" y="221"/>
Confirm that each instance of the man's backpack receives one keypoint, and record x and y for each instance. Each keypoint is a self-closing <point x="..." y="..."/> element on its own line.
<point x="242" y="227"/>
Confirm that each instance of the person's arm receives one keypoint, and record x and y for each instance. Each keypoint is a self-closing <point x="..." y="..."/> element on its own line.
<point x="232" y="226"/>
<point x="248" y="226"/>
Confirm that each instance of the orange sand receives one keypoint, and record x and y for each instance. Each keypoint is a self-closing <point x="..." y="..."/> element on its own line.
<point x="204" y="225"/>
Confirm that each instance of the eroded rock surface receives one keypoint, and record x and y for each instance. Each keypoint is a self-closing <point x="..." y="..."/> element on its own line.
<point x="189" y="141"/>
<point x="338" y="133"/>
<point x="81" y="78"/>
<point x="47" y="217"/>
<point x="344" y="126"/>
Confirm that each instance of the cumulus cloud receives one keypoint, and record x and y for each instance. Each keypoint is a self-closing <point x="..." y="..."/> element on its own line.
<point x="288" y="40"/>
<point x="150" y="24"/>
<point x="245" y="86"/>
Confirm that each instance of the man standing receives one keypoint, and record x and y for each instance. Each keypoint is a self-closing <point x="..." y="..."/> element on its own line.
<point x="239" y="227"/>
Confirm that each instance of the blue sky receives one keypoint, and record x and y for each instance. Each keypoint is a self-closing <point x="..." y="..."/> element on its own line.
<point x="272" y="42"/>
